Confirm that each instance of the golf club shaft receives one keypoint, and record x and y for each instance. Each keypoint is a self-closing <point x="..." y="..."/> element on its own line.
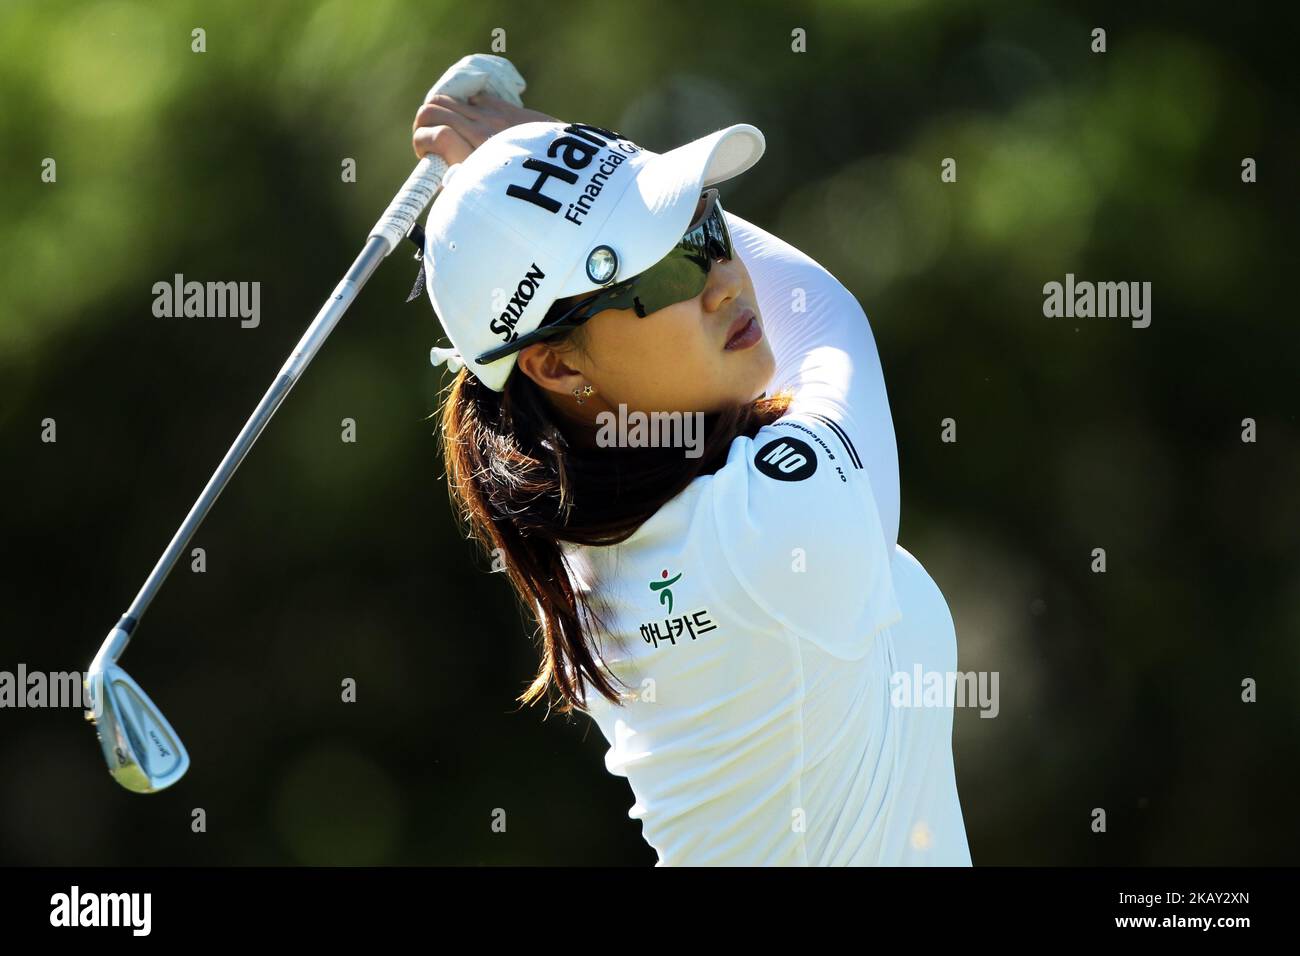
<point x="415" y="194"/>
<point x="472" y="74"/>
<point x="340" y="299"/>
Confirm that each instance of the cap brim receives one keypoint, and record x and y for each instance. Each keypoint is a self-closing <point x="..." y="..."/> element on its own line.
<point x="658" y="205"/>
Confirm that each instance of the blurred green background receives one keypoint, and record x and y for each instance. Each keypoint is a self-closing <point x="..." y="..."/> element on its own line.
<point x="329" y="560"/>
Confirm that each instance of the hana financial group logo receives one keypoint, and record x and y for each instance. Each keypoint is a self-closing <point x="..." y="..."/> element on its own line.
<point x="664" y="588"/>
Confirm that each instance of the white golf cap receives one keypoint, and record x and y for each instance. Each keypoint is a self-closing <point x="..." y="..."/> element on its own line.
<point x="515" y="224"/>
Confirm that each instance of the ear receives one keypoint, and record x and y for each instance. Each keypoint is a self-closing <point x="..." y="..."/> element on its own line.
<point x="549" y="368"/>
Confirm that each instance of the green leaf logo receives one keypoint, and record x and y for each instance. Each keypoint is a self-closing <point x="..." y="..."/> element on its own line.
<point x="665" y="595"/>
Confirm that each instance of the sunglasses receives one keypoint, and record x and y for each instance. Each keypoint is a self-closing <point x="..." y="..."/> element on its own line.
<point x="678" y="276"/>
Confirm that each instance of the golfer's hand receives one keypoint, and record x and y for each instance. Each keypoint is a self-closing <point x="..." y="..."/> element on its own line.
<point x="453" y="129"/>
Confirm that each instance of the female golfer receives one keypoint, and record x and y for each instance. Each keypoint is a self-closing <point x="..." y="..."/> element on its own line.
<point x="670" y="429"/>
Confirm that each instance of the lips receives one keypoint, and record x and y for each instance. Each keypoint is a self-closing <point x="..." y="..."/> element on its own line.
<point x="743" y="331"/>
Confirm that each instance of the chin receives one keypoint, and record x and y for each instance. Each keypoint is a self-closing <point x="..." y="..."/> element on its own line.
<point x="765" y="369"/>
<point x="758" y="387"/>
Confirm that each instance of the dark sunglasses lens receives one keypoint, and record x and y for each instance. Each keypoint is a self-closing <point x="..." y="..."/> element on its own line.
<point x="711" y="237"/>
<point x="683" y="273"/>
<point x="677" y="277"/>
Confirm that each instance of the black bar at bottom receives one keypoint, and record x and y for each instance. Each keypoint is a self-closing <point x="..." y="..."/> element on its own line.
<point x="920" y="905"/>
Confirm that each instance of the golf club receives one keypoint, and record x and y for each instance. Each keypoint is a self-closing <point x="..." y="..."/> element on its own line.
<point x="143" y="752"/>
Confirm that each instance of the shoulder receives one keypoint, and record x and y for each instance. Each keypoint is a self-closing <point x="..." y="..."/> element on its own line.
<point x="759" y="247"/>
<point x="796" y="527"/>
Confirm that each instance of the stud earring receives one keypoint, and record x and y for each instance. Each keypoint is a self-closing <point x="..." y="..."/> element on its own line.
<point x="582" y="393"/>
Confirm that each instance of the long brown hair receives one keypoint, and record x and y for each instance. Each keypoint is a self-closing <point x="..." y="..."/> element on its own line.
<point x="522" y="487"/>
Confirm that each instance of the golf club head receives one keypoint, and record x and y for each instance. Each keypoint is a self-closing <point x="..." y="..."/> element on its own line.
<point x="142" y="751"/>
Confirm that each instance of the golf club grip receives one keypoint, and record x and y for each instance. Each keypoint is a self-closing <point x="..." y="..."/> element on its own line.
<point x="411" y="200"/>
<point x="475" y="73"/>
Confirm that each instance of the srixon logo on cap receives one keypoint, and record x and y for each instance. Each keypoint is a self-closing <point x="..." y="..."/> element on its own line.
<point x="504" y="324"/>
<point x="577" y="150"/>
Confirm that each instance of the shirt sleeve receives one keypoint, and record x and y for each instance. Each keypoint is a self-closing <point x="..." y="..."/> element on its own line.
<point x="825" y="351"/>
<point x="800" y="539"/>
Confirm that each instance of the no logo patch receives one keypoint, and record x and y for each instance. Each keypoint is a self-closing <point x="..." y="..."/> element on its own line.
<point x="786" y="459"/>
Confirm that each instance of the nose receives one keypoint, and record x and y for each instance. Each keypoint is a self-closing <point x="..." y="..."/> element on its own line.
<point x="726" y="280"/>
